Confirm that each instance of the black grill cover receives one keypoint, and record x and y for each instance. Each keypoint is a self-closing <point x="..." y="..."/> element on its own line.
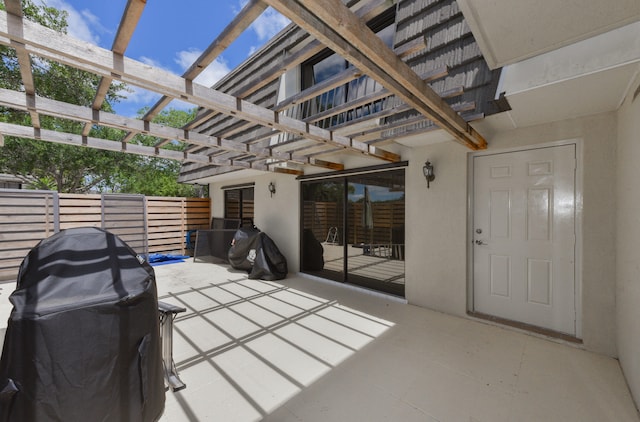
<point x="82" y="342"/>
<point x="255" y="252"/>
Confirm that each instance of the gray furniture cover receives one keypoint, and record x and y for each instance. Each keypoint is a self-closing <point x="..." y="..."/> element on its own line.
<point x="82" y="342"/>
<point x="253" y="251"/>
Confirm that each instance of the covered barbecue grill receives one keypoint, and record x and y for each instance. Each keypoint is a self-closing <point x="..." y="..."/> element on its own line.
<point x="82" y="342"/>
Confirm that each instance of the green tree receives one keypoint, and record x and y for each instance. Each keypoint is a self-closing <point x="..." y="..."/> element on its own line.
<point x="69" y="168"/>
<point x="45" y="165"/>
<point x="158" y="176"/>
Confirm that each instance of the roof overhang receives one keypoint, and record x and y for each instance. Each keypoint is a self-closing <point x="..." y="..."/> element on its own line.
<point x="509" y="31"/>
<point x="589" y="77"/>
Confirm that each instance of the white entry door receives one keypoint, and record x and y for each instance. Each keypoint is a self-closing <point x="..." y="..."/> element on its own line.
<point x="524" y="237"/>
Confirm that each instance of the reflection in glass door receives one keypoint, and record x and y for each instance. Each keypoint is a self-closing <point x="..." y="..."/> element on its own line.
<point x="323" y="229"/>
<point x="375" y="229"/>
<point x="353" y="230"/>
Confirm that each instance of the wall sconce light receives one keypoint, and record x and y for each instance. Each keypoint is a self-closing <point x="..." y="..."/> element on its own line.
<point x="272" y="188"/>
<point x="427" y="169"/>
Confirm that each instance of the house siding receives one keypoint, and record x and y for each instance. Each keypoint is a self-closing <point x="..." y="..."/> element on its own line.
<point x="449" y="43"/>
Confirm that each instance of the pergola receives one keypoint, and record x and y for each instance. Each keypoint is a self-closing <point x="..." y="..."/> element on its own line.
<point x="330" y="23"/>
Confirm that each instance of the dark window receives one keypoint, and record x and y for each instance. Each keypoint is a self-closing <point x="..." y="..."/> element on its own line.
<point x="328" y="64"/>
<point x="238" y="204"/>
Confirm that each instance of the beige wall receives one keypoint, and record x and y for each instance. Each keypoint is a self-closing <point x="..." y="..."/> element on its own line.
<point x="436" y="229"/>
<point x="277" y="216"/>
<point x="628" y="241"/>
<point x="436" y="237"/>
<point x="437" y="252"/>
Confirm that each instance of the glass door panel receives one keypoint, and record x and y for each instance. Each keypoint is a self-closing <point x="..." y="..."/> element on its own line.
<point x="375" y="231"/>
<point x="323" y="229"/>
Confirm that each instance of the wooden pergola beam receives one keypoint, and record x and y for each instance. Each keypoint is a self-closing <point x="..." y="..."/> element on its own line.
<point x="18" y="131"/>
<point x="131" y="16"/>
<point x="284" y="64"/>
<point x="338" y="28"/>
<point x="24" y="61"/>
<point x="343" y="77"/>
<point x="249" y="13"/>
<point x="67" y="50"/>
<point x="16" y="100"/>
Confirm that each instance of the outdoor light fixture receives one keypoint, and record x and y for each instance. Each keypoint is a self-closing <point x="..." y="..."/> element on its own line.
<point x="427" y="169"/>
<point x="272" y="188"/>
<point x="198" y="189"/>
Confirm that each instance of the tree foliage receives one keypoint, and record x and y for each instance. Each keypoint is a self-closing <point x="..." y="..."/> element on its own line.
<point x="69" y="168"/>
<point x="157" y="176"/>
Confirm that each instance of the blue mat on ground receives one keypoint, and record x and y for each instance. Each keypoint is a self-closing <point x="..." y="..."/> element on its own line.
<point x="164" y="259"/>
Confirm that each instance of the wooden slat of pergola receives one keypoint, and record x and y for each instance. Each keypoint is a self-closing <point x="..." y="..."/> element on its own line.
<point x="331" y="23"/>
<point x="130" y="18"/>
<point x="249" y="13"/>
<point x="337" y="27"/>
<point x="24" y="61"/>
<point x="60" y="47"/>
<point x="69" y="111"/>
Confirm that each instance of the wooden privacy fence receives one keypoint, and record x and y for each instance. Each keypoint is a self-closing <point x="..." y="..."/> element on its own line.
<point x="26" y="217"/>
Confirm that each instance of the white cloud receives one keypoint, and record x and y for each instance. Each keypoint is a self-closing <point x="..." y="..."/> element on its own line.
<point x="151" y="62"/>
<point x="212" y="74"/>
<point x="268" y="24"/>
<point x="80" y="22"/>
<point x="136" y="98"/>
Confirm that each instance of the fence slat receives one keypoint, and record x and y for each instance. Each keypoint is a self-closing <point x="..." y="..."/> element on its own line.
<point x="26" y="217"/>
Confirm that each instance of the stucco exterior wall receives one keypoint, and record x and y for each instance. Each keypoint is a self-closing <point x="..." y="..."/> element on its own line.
<point x="628" y="241"/>
<point x="277" y="216"/>
<point x="437" y="221"/>
<point x="436" y="234"/>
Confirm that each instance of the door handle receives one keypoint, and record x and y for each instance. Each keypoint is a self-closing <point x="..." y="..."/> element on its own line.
<point x="480" y="242"/>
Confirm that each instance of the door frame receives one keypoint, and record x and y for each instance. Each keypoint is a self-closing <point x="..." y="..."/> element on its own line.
<point x="578" y="143"/>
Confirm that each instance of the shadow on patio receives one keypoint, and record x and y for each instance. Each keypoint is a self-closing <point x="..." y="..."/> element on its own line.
<point x="302" y="350"/>
<point x="245" y="347"/>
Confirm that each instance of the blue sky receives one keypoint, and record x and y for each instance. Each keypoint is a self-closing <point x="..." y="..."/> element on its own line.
<point x="170" y="35"/>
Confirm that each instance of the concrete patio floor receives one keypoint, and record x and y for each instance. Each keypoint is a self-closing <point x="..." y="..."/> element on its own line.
<point x="304" y="350"/>
<point x="300" y="349"/>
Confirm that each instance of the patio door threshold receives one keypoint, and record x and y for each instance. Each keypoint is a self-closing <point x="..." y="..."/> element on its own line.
<point x="355" y="287"/>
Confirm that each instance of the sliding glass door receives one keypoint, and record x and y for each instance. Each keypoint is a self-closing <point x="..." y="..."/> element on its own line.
<point x="353" y="230"/>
